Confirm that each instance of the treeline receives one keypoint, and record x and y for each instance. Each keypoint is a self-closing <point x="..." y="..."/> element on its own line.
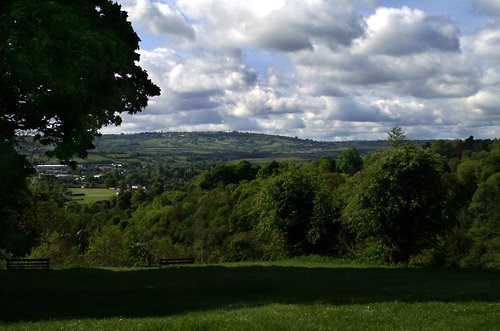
<point x="436" y="204"/>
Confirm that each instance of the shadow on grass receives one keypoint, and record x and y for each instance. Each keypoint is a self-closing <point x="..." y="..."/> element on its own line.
<point x="97" y="293"/>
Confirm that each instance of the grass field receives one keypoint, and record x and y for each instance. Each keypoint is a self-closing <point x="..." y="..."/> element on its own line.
<point x="283" y="296"/>
<point x="92" y="194"/>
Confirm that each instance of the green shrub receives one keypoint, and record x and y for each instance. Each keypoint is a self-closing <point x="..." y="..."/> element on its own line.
<point x="106" y="248"/>
<point x="372" y="251"/>
<point x="243" y="246"/>
<point x="4" y="255"/>
<point x="59" y="248"/>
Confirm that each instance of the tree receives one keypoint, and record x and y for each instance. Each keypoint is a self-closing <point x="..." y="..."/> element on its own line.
<point x="270" y="168"/>
<point x="286" y="205"/>
<point x="444" y="148"/>
<point x="468" y="174"/>
<point x="491" y="163"/>
<point x="396" y="136"/>
<point x="297" y="211"/>
<point x="67" y="69"/>
<point x="350" y="161"/>
<point x="225" y="174"/>
<point x="485" y="229"/>
<point x="106" y="248"/>
<point x="327" y="164"/>
<point x="14" y="169"/>
<point x="400" y="199"/>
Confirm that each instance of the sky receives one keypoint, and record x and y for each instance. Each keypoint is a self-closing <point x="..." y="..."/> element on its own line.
<point x="325" y="70"/>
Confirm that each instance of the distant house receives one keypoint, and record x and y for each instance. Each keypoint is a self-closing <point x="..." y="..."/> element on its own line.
<point x="100" y="165"/>
<point x="52" y="168"/>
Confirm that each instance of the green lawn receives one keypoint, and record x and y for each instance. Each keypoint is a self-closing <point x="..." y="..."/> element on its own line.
<point x="251" y="297"/>
<point x="92" y="194"/>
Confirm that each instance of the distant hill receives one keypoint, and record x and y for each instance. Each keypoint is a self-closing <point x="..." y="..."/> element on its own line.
<point x="186" y="147"/>
<point x="202" y="148"/>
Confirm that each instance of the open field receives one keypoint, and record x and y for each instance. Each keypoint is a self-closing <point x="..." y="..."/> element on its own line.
<point x="251" y="297"/>
<point x="92" y="194"/>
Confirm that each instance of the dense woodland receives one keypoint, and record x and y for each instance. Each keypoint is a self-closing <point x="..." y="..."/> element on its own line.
<point x="407" y="203"/>
<point x="433" y="204"/>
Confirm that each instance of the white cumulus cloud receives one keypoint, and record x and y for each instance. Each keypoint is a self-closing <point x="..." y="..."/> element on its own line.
<point x="319" y="69"/>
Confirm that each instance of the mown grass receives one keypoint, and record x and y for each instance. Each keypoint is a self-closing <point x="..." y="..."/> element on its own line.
<point x="306" y="296"/>
<point x="92" y="194"/>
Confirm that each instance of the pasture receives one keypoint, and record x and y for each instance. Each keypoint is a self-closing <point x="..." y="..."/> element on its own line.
<point x="251" y="296"/>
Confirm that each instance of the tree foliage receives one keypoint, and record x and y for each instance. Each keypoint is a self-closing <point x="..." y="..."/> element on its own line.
<point x="396" y="136"/>
<point x="224" y="174"/>
<point x="485" y="213"/>
<point x="406" y="206"/>
<point x="401" y="200"/>
<point x="350" y="161"/>
<point x="444" y="148"/>
<point x="297" y="208"/>
<point x="14" y="190"/>
<point x="67" y="69"/>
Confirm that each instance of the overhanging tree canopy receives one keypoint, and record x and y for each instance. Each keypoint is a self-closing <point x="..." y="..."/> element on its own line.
<point x="67" y="68"/>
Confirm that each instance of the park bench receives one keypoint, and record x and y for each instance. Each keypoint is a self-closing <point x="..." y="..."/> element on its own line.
<point x="176" y="261"/>
<point x="28" y="264"/>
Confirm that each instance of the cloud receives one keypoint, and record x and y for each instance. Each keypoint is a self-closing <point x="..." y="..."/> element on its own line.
<point x="280" y="37"/>
<point x="318" y="69"/>
<point x="283" y="26"/>
<point x="260" y="100"/>
<point x="484" y="46"/>
<point x="412" y="112"/>
<point x="403" y="31"/>
<point x="486" y="41"/>
<point x="215" y="88"/>
<point x="159" y="18"/>
<point x="425" y="75"/>
<point x="348" y="110"/>
<point x="281" y="123"/>
<point x="209" y="73"/>
<point x="196" y="81"/>
<point x="298" y="25"/>
<point x="487" y="7"/>
<point x="486" y="101"/>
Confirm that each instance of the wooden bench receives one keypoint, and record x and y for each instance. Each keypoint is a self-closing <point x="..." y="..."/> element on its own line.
<point x="28" y="264"/>
<point x="170" y="262"/>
